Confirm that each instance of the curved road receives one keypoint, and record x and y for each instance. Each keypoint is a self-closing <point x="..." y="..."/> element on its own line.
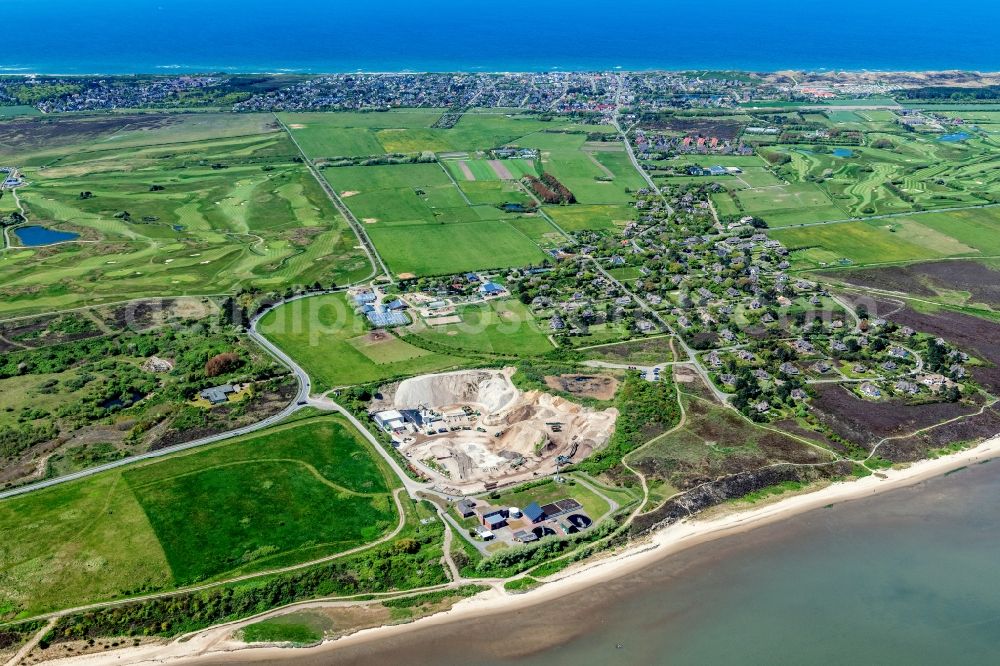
<point x="300" y="401"/>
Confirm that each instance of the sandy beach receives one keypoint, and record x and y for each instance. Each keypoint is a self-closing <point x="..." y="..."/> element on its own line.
<point x="216" y="645"/>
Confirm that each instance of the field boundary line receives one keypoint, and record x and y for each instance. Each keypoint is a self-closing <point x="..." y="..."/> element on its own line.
<point x="374" y="258"/>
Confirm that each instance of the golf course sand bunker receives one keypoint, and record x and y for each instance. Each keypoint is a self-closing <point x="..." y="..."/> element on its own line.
<point x="478" y="430"/>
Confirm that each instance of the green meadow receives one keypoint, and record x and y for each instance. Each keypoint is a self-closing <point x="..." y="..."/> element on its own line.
<point x="504" y="327"/>
<point x="920" y="237"/>
<point x="291" y="493"/>
<point x="332" y="343"/>
<point x="582" y="216"/>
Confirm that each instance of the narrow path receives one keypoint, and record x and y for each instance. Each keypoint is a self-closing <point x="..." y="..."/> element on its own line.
<point x="449" y="563"/>
<point x="31" y="644"/>
<point x="988" y="405"/>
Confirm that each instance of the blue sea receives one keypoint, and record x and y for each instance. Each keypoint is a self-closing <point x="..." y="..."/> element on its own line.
<point x="907" y="578"/>
<point x="160" y="36"/>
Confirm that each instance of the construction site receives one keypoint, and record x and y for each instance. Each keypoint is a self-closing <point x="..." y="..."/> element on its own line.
<point x="473" y="430"/>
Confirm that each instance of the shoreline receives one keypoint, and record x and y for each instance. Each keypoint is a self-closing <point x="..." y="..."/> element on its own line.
<point x="311" y="71"/>
<point x="215" y="645"/>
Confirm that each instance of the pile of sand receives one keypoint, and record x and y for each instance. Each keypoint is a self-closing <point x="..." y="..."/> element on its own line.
<point x="492" y="390"/>
<point x="514" y="436"/>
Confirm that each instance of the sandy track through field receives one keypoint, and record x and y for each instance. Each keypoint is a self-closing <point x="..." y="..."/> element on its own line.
<point x="501" y="170"/>
<point x="466" y="171"/>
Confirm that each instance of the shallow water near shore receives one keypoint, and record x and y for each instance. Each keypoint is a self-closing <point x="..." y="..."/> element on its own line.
<point x="906" y="577"/>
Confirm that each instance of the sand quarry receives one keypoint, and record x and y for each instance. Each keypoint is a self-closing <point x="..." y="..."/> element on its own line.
<point x="494" y="434"/>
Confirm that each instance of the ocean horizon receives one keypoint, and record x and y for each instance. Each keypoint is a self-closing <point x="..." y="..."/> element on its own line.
<point x="252" y="36"/>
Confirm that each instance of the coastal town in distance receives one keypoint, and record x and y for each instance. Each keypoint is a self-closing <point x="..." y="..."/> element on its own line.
<point x="290" y="362"/>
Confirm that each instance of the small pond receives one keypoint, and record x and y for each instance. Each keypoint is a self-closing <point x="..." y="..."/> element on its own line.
<point x="34" y="236"/>
<point x="843" y="152"/>
<point x="954" y="137"/>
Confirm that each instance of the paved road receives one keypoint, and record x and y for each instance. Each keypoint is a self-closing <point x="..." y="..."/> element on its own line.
<point x="301" y="397"/>
<point x="412" y="486"/>
<point x="373" y="256"/>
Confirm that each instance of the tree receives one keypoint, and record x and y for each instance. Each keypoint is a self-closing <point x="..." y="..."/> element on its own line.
<point x="222" y="363"/>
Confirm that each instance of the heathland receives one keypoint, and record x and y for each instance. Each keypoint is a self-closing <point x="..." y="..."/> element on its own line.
<point x="95" y="385"/>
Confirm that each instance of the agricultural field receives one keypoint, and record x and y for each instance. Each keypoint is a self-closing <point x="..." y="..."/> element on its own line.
<point x="488" y="170"/>
<point x="164" y="207"/>
<point x="454" y="248"/>
<point x="408" y="131"/>
<point x="334" y="345"/>
<point x="921" y="237"/>
<point x="410" y="206"/>
<point x="582" y="216"/>
<point x="498" y="327"/>
<point x="246" y="504"/>
<point x="19" y="110"/>
<point x="454" y="210"/>
<point x="596" y="173"/>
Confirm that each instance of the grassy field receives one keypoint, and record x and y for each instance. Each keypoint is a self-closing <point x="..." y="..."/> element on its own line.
<point x="785" y="205"/>
<point x="499" y="327"/>
<point x="411" y="206"/>
<point x="18" y="110"/>
<point x="292" y="493"/>
<point x="325" y="336"/>
<point x="454" y="248"/>
<point x="970" y="233"/>
<point x="578" y="217"/>
<point x="178" y="214"/>
<point x="977" y="228"/>
<point x="301" y="628"/>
